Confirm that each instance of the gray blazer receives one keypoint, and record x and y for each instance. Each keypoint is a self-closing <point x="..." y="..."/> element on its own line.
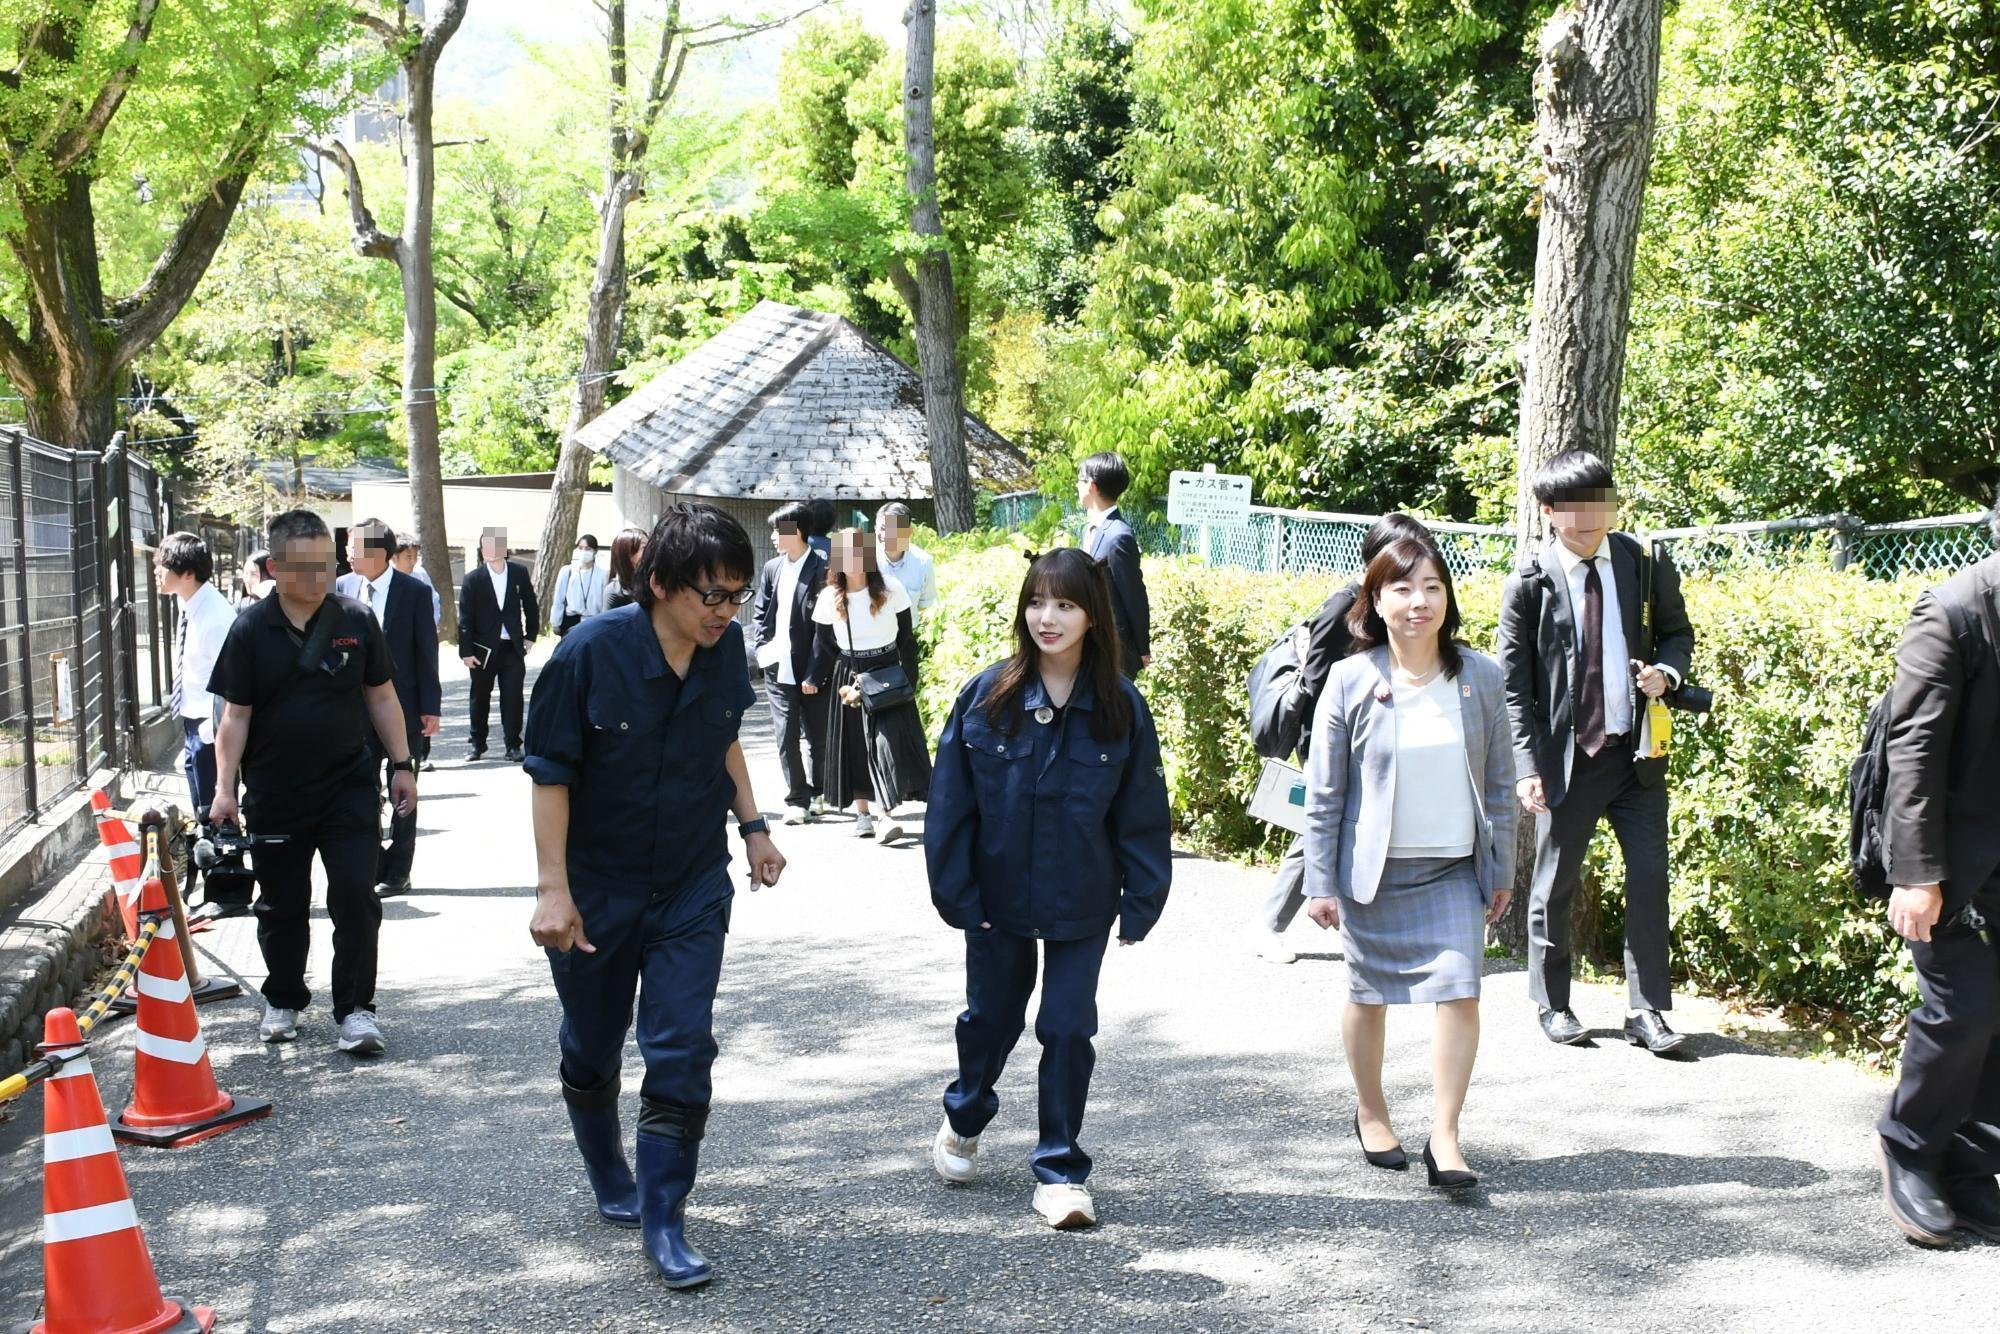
<point x="1351" y="777"/>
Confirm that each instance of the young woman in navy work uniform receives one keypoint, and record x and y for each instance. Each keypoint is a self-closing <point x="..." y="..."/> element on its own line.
<point x="1047" y="825"/>
<point x="632" y="746"/>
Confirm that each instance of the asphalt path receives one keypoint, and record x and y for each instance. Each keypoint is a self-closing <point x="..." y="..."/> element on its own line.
<point x="436" y="1189"/>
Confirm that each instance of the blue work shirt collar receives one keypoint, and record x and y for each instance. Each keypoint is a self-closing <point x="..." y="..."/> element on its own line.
<point x="653" y="659"/>
<point x="1035" y="695"/>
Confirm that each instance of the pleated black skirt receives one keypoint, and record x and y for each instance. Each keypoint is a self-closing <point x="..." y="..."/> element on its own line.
<point x="882" y="757"/>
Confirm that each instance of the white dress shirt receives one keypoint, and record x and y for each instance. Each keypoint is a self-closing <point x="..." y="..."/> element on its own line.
<point x="372" y="593"/>
<point x="209" y="617"/>
<point x="1617" y="658"/>
<point x="916" y="571"/>
<point x="1432" y="814"/>
<point x="781" y="641"/>
<point x="499" y="578"/>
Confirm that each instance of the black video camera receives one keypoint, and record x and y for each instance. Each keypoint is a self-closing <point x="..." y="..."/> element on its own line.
<point x="218" y="852"/>
<point x="1690" y="698"/>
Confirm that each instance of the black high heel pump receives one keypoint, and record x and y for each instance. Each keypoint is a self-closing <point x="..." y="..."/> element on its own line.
<point x="1393" y="1159"/>
<point x="1440" y="1179"/>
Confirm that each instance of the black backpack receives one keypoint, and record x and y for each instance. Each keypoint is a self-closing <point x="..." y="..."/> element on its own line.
<point x="1868" y="775"/>
<point x="1277" y="712"/>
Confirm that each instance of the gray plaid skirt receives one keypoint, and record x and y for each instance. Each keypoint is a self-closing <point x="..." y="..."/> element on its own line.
<point x="1421" y="940"/>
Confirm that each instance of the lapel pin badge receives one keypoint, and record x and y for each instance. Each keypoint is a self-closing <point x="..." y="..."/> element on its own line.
<point x="1045" y="715"/>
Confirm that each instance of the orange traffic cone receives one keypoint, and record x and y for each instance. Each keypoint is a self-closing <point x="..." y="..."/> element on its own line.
<point x="98" y="1275"/>
<point x="175" y="1100"/>
<point x="123" y="850"/>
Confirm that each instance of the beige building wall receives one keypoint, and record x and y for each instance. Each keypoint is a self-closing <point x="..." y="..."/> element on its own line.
<point x="470" y="510"/>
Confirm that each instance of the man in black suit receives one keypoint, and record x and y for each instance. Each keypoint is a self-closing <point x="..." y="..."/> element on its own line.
<point x="1110" y="541"/>
<point x="401" y="604"/>
<point x="1940" y="1135"/>
<point x="496" y="617"/>
<point x="1582" y="657"/>
<point x="783" y="643"/>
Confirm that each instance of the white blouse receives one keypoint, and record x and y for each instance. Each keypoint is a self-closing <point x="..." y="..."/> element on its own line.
<point x="1434" y="815"/>
<point x="865" y="629"/>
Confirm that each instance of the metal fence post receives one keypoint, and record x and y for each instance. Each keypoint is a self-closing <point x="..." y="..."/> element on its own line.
<point x="20" y="464"/>
<point x="1843" y="540"/>
<point x="79" y="689"/>
<point x="1277" y="544"/>
<point x="128" y="635"/>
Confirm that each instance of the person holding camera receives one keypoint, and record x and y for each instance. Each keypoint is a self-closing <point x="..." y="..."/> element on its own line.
<point x="1939" y="1144"/>
<point x="305" y="678"/>
<point x="1575" y="628"/>
<point x="634" y="752"/>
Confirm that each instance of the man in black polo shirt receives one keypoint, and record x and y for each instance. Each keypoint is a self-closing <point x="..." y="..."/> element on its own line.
<point x="304" y="678"/>
<point x="632" y="746"/>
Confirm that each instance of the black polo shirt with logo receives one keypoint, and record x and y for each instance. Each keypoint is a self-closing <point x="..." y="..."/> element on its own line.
<point x="307" y="761"/>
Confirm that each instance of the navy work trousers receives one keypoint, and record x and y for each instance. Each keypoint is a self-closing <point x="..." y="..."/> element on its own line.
<point x="999" y="976"/>
<point x="198" y="764"/>
<point x="670" y="960"/>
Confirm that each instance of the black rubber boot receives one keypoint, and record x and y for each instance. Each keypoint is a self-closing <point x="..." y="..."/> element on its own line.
<point x="593" y="1119"/>
<point x="669" y="1152"/>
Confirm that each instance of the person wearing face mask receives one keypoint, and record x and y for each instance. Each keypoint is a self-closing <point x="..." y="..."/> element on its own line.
<point x="1048" y="827"/>
<point x="1410" y="836"/>
<point x="579" y="588"/>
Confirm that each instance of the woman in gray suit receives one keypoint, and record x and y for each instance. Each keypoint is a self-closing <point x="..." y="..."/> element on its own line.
<point x="1410" y="836"/>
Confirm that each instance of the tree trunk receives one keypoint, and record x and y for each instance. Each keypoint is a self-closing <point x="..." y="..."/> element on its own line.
<point x="420" y="395"/>
<point x="937" y="305"/>
<point x="1595" y="87"/>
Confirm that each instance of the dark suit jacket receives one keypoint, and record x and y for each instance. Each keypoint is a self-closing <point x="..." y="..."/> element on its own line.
<point x="1538" y="654"/>
<point x="1116" y="548"/>
<point x="413" y="648"/>
<point x="1942" y="805"/>
<point x="480" y="618"/>
<point x="1326" y="644"/>
<point x="765" y="613"/>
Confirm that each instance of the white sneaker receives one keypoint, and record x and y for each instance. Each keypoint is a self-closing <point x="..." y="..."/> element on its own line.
<point x="800" y="814"/>
<point x="1065" y="1205"/>
<point x="818" y="807"/>
<point x="1270" y="946"/>
<point x="889" y="831"/>
<point x="280" y="1024"/>
<point x="952" y="1155"/>
<point x="864" y="825"/>
<point x="360" y="1035"/>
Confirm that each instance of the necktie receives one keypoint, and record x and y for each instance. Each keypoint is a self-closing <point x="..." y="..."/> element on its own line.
<point x="180" y="669"/>
<point x="1590" y="668"/>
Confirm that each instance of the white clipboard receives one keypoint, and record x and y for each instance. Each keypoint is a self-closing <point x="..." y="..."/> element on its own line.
<point x="1280" y="798"/>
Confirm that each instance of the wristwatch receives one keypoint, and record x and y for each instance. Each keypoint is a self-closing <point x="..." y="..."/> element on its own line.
<point x="407" y="766"/>
<point x="757" y="826"/>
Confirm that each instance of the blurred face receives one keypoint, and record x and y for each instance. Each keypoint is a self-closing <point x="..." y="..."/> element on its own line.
<point x="1413" y="606"/>
<point x="304" y="570"/>
<point x="364" y="560"/>
<point x="854" y="554"/>
<point x="493" y="547"/>
<point x="894" y="536"/>
<point x="1056" y="624"/>
<point x="406" y="561"/>
<point x="789" y="540"/>
<point x="1581" y="523"/>
<point x="689" y="617"/>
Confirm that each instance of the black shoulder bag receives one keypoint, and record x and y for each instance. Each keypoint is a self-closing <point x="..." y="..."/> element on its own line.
<point x="882" y="688"/>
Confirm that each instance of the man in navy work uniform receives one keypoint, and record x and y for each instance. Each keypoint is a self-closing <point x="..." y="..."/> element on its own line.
<point x="632" y="746"/>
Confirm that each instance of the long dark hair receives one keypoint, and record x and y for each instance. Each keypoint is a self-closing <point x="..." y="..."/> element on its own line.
<point x="836" y="573"/>
<point x="1067" y="575"/>
<point x="1402" y="559"/>
<point x="625" y="551"/>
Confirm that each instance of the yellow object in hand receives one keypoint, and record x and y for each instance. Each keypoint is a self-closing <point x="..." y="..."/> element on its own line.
<point x="1660" y="723"/>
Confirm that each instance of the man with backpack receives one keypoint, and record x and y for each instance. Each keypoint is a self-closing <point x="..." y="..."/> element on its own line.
<point x="1939" y="1144"/>
<point x="1284" y="690"/>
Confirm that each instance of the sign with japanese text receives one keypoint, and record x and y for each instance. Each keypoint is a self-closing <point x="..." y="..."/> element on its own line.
<point x="1220" y="498"/>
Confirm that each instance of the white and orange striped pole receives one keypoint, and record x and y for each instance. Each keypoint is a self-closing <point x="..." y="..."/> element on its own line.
<point x="97" y="1273"/>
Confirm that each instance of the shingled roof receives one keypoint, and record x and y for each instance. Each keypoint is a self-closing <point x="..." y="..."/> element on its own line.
<point x="785" y="404"/>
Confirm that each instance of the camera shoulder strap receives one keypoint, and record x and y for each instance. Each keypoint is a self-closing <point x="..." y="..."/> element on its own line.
<point x="310" y="655"/>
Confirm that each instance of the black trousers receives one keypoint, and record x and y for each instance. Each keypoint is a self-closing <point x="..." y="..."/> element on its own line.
<point x="198" y="764"/>
<point x="1602" y="786"/>
<point x="1946" y="1106"/>
<point x="401" y="850"/>
<point x="799" y="721"/>
<point x="507" y="667"/>
<point x="347" y="848"/>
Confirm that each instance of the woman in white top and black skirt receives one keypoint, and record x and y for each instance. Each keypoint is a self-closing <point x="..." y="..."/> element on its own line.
<point x="1410" y="836"/>
<point x="866" y="653"/>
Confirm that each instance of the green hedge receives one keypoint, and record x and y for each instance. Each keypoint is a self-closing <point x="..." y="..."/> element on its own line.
<point x="1762" y="907"/>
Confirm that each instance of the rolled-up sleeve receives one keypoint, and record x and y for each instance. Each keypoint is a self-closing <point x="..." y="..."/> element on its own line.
<point x="951" y="825"/>
<point x="1142" y="829"/>
<point x="558" y="719"/>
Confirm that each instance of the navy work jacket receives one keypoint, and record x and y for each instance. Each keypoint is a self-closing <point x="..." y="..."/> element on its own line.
<point x="643" y="755"/>
<point x="1047" y="831"/>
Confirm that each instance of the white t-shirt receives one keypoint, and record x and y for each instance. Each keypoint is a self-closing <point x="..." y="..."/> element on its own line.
<point x="788" y="589"/>
<point x="499" y="578"/>
<point x="1434" y="815"/>
<point x="865" y="628"/>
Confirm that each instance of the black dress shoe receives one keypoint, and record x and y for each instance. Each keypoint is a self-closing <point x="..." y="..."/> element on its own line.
<point x="1562" y="1027"/>
<point x="1393" y="1159"/>
<point x="1443" y="1179"/>
<point x="478" y="753"/>
<point x="1976" y="1202"/>
<point x="515" y="754"/>
<point x="1647" y="1029"/>
<point x="389" y="887"/>
<point x="1916" y="1200"/>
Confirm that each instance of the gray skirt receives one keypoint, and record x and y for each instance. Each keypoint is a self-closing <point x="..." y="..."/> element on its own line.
<point x="1421" y="939"/>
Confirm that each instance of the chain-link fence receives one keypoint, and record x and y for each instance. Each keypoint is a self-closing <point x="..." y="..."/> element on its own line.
<point x="79" y="655"/>
<point x="1303" y="542"/>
